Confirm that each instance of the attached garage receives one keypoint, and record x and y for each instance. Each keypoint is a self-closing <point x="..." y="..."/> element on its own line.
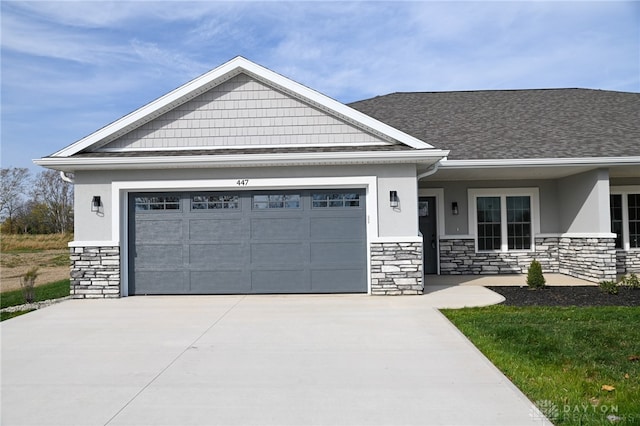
<point x="247" y="242"/>
<point x="242" y="181"/>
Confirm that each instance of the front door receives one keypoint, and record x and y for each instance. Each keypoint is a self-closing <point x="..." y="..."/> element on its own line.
<point x="428" y="229"/>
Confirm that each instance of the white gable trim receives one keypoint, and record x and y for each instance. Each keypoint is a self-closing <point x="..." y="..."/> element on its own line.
<point x="220" y="74"/>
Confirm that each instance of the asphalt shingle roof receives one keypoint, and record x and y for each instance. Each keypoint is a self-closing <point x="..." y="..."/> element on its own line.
<point x="511" y="124"/>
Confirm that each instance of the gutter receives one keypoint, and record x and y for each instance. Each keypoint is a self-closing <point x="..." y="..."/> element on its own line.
<point x="69" y="164"/>
<point x="540" y="162"/>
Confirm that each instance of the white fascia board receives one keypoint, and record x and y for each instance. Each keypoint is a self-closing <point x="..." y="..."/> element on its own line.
<point x="222" y="73"/>
<point x="428" y="156"/>
<point x="539" y="162"/>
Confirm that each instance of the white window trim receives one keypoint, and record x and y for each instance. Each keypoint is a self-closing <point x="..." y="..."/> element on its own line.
<point x="121" y="189"/>
<point x="624" y="191"/>
<point x="532" y="193"/>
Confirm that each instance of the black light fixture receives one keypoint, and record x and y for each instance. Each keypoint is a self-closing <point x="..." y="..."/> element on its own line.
<point x="454" y="208"/>
<point x="95" y="203"/>
<point x="393" y="199"/>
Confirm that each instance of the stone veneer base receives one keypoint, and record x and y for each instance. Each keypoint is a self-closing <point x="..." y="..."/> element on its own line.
<point x="396" y="268"/>
<point x="628" y="261"/>
<point x="95" y="272"/>
<point x="591" y="259"/>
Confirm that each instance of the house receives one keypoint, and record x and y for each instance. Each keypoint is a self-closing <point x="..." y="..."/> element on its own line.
<point x="243" y="181"/>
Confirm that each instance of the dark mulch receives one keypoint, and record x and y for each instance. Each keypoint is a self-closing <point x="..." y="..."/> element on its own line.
<point x="567" y="296"/>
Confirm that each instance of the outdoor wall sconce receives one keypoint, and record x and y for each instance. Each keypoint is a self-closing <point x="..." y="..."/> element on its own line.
<point x="95" y="203"/>
<point x="454" y="208"/>
<point x="393" y="199"/>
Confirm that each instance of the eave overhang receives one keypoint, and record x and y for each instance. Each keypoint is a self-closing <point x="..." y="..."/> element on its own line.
<point x="423" y="158"/>
<point x="534" y="168"/>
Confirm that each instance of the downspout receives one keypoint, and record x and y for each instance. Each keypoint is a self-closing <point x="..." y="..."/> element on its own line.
<point x="431" y="170"/>
<point x="66" y="178"/>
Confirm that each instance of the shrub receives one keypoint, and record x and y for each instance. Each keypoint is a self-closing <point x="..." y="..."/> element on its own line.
<point x="28" y="282"/>
<point x="609" y="287"/>
<point x="535" y="279"/>
<point x="631" y="281"/>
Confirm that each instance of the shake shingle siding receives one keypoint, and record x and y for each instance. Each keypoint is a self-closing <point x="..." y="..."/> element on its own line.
<point x="509" y="124"/>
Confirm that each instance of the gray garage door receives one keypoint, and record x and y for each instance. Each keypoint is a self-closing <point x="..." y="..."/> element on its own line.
<point x="247" y="242"/>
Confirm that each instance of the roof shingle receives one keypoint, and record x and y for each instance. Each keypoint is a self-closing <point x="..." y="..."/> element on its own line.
<point x="510" y="124"/>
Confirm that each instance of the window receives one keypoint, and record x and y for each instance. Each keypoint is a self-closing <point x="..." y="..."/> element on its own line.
<point x="214" y="202"/>
<point x="634" y="220"/>
<point x="276" y="201"/>
<point x="163" y="202"/>
<point x="489" y="227"/>
<point x="519" y="223"/>
<point x="503" y="218"/>
<point x="625" y="216"/>
<point x="332" y="200"/>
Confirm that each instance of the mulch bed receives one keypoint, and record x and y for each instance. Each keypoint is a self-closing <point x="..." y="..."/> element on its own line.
<point x="567" y="296"/>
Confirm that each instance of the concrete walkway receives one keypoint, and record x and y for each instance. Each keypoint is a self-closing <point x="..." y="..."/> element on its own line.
<point x="250" y="360"/>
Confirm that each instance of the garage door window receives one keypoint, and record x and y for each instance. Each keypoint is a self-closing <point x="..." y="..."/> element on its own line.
<point x="276" y="201"/>
<point x="333" y="200"/>
<point x="168" y="202"/>
<point x="214" y="202"/>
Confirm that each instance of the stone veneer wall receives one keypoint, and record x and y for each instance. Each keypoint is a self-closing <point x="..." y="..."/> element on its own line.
<point x="592" y="259"/>
<point x="396" y="268"/>
<point x="459" y="257"/>
<point x="628" y="261"/>
<point x="95" y="272"/>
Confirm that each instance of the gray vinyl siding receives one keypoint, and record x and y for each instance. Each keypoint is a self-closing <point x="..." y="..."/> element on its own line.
<point x="242" y="112"/>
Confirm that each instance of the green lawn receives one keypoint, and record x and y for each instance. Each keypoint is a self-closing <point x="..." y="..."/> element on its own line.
<point x="8" y="315"/>
<point x="53" y="290"/>
<point x="562" y="357"/>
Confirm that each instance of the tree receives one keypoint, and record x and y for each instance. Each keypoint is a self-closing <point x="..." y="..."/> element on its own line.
<point x="56" y="196"/>
<point x="13" y="186"/>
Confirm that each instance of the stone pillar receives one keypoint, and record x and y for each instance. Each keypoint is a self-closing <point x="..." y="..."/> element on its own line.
<point x="95" y="272"/>
<point x="396" y="268"/>
<point x="592" y="259"/>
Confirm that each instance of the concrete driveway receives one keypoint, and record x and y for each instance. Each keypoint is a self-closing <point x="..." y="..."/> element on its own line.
<point x="249" y="360"/>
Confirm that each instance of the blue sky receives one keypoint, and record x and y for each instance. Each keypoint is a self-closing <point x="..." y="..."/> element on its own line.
<point x="69" y="68"/>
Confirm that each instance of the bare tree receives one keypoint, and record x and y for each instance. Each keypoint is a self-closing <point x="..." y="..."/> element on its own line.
<point x="57" y="195"/>
<point x="13" y="185"/>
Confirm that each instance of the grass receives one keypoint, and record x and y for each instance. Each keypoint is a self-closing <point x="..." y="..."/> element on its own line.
<point x="8" y="315"/>
<point x="562" y="357"/>
<point x="53" y="290"/>
<point x="19" y="243"/>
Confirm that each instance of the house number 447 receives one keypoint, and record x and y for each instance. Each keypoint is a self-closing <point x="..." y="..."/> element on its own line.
<point x="242" y="182"/>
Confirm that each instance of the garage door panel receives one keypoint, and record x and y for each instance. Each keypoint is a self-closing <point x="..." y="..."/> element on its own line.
<point x="219" y="282"/>
<point x="280" y="281"/>
<point x="216" y="254"/>
<point x="277" y="254"/>
<point x="214" y="229"/>
<point x="278" y="229"/>
<point x="337" y="280"/>
<point x="328" y="228"/>
<point x="158" y="230"/>
<point x="159" y="255"/>
<point x="298" y="248"/>
<point x="160" y="282"/>
<point x="337" y="253"/>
